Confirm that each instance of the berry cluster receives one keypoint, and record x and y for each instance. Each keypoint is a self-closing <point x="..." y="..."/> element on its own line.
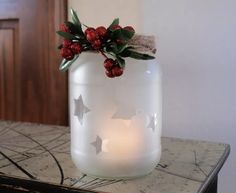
<point x="112" y="68"/>
<point x="68" y="48"/>
<point x="96" y="37"/>
<point x="112" y="41"/>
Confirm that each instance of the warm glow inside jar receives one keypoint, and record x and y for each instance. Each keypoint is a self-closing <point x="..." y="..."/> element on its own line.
<point x="115" y="122"/>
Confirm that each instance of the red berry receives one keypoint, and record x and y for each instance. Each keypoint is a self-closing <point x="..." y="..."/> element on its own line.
<point x="66" y="43"/>
<point x="109" y="63"/>
<point x="92" y="36"/>
<point x="67" y="53"/>
<point x="101" y="31"/>
<point x="109" y="74"/>
<point x="116" y="27"/>
<point x="97" y="44"/>
<point x="64" y="28"/>
<point x="129" y="28"/>
<point x="89" y="29"/>
<point x="76" y="48"/>
<point x="117" y="71"/>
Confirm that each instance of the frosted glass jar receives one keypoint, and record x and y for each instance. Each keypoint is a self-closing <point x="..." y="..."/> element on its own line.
<point x="115" y="122"/>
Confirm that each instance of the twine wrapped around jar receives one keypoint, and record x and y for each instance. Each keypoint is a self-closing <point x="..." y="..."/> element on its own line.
<point x="143" y="43"/>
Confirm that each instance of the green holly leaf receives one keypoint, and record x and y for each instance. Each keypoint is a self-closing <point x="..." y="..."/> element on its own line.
<point x="65" y="64"/>
<point x="120" y="61"/>
<point x="107" y="49"/>
<point x="122" y="47"/>
<point x="66" y="35"/>
<point x="127" y="33"/>
<point x="122" y="34"/>
<point x="136" y="55"/>
<point x="74" y="29"/>
<point x="140" y="56"/>
<point x="76" y="21"/>
<point x="115" y="22"/>
<point x="116" y="34"/>
<point x="75" y="18"/>
<point x="125" y="53"/>
<point x="116" y="48"/>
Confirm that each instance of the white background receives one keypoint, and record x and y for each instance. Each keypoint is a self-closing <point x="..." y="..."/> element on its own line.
<point x="196" y="41"/>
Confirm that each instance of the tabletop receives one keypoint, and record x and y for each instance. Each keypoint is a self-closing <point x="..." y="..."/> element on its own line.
<point x="37" y="157"/>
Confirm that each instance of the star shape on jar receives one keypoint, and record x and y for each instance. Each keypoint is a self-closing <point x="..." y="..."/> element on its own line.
<point x="152" y="122"/>
<point x="100" y="145"/>
<point x="80" y="109"/>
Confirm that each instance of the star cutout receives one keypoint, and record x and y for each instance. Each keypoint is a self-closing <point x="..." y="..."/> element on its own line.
<point x="97" y="144"/>
<point x="124" y="111"/>
<point x="152" y="122"/>
<point x="80" y="109"/>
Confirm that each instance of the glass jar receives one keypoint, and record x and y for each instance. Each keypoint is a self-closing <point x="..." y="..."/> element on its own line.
<point x="115" y="122"/>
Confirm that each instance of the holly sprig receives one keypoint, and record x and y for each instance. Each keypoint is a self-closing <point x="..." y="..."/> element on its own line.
<point x="111" y="42"/>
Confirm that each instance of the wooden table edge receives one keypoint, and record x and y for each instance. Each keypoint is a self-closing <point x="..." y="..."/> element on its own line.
<point x="19" y="184"/>
<point x="214" y="173"/>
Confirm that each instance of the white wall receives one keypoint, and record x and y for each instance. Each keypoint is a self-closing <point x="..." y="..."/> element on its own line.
<point x="102" y="12"/>
<point x="197" y="51"/>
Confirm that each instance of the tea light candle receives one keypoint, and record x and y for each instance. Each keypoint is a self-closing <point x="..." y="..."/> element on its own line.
<point x="121" y="140"/>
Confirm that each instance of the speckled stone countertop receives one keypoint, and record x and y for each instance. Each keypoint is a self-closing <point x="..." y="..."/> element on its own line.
<point x="42" y="153"/>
